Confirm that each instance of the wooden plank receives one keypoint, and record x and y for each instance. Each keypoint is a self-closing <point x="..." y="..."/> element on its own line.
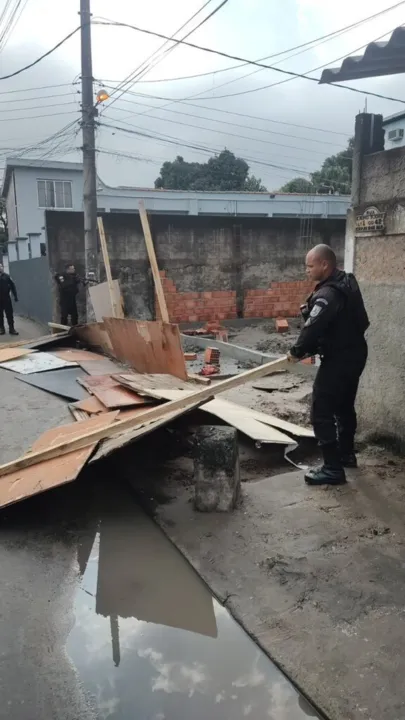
<point x="153" y="385"/>
<point x="100" y="296"/>
<point x="103" y="242"/>
<point x="153" y="262"/>
<point x="53" y="472"/>
<point x="90" y="405"/>
<point x="199" y="379"/>
<point x="79" y="415"/>
<point x="103" y="366"/>
<point x="43" y="339"/>
<point x="94" y="381"/>
<point x="75" y="355"/>
<point x="183" y="404"/>
<point x="36" y="362"/>
<point x="149" y="347"/>
<point x="7" y="353"/>
<point x="118" y="397"/>
<point x="58" y="326"/>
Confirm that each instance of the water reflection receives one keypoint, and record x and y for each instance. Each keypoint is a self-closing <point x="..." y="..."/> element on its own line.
<point x="149" y="641"/>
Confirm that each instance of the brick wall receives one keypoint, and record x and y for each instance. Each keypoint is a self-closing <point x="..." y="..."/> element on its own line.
<point x="281" y="299"/>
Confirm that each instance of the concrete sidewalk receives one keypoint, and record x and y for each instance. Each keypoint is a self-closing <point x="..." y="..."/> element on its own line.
<point x="27" y="329"/>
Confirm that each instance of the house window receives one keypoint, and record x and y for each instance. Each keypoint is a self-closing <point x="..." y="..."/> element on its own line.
<point x="54" y="194"/>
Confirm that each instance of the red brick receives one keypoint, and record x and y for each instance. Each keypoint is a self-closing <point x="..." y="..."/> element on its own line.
<point x="281" y="325"/>
<point x="190" y="356"/>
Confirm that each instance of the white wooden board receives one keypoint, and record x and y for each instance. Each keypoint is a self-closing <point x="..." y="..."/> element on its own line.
<point x="101" y="300"/>
<point x="36" y="362"/>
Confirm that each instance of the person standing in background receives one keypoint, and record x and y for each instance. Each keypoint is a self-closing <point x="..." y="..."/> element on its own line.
<point x="7" y="286"/>
<point x="68" y="284"/>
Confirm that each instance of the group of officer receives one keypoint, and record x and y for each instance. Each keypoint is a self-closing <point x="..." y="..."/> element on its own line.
<point x="334" y="328"/>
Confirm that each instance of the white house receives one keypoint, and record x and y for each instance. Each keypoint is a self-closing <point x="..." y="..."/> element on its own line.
<point x="394" y="126"/>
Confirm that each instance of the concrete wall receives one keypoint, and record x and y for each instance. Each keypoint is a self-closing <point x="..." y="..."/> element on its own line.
<point x="213" y="267"/>
<point x="378" y="260"/>
<point x="34" y="288"/>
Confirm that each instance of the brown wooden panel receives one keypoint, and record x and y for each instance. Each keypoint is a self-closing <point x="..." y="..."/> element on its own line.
<point x="149" y="347"/>
<point x="118" y="396"/>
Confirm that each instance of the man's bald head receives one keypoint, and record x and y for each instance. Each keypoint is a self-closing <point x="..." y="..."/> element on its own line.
<point x="320" y="263"/>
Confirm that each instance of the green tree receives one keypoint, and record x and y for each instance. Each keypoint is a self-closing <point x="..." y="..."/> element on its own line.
<point x="222" y="172"/>
<point x="298" y="185"/>
<point x="335" y="175"/>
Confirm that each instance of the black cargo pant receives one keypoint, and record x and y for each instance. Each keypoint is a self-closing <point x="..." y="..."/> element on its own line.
<point x="333" y="411"/>
<point x="6" y="308"/>
<point x="68" y="308"/>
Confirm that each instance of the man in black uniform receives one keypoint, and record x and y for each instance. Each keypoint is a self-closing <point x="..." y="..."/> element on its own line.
<point x="68" y="284"/>
<point x="7" y="286"/>
<point x="335" y="323"/>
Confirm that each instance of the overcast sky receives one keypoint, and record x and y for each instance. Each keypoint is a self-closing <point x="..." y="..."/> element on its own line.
<point x="247" y="28"/>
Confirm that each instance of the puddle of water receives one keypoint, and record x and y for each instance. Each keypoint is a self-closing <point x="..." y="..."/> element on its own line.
<point x="149" y="641"/>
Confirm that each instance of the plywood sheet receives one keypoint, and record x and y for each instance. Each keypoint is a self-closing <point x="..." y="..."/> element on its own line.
<point x="90" y="405"/>
<point x="118" y="397"/>
<point x="101" y="300"/>
<point x="94" y="335"/>
<point x="149" y="347"/>
<point x="36" y="363"/>
<point x="90" y="382"/>
<point x="11" y="353"/>
<point x="102" y="366"/>
<point x="75" y="355"/>
<point x="59" y="382"/>
<point x="154" y="385"/>
<point x="49" y="474"/>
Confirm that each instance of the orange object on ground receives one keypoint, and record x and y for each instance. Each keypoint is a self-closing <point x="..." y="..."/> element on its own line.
<point x="281" y="325"/>
<point x="211" y="356"/>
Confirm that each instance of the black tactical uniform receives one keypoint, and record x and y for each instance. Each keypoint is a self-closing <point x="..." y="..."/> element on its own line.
<point x="7" y="286"/>
<point x="335" y="323"/>
<point x="68" y="284"/>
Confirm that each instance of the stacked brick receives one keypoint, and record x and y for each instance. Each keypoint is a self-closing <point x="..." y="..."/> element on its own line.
<point x="282" y="299"/>
<point x="197" y="306"/>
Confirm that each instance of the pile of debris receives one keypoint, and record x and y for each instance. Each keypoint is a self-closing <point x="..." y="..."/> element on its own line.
<point x="123" y="379"/>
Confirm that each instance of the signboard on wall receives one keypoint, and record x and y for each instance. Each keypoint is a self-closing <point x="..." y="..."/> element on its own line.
<point x="370" y="221"/>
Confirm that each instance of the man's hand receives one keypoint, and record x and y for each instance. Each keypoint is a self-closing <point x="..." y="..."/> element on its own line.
<point x="291" y="358"/>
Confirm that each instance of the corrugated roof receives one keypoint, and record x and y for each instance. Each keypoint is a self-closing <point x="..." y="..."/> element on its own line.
<point x="380" y="58"/>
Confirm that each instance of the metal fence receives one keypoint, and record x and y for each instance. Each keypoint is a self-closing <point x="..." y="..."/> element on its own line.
<point x="34" y="287"/>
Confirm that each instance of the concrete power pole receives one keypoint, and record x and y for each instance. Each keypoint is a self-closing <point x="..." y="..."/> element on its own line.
<point x="89" y="152"/>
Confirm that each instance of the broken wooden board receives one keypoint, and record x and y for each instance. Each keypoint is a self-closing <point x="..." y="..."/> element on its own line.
<point x="102" y="302"/>
<point x="102" y="366"/>
<point x="153" y="385"/>
<point x="46" y="475"/>
<point x="93" y="335"/>
<point x="111" y="393"/>
<point x="90" y="405"/>
<point x="37" y="362"/>
<point x="9" y="353"/>
<point x="148" y="347"/>
<point x="119" y="441"/>
<point x="79" y="415"/>
<point x="76" y="356"/>
<point x="183" y="404"/>
<point x="59" y="382"/>
<point x="165" y="387"/>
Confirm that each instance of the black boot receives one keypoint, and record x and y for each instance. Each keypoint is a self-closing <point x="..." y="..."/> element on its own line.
<point x="12" y="331"/>
<point x="349" y="460"/>
<point x="331" y="472"/>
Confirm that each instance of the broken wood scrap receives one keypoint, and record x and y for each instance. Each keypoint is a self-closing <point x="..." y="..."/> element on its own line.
<point x="35" y="342"/>
<point x="90" y="405"/>
<point x="9" y="353"/>
<point x="102" y="366"/>
<point x="148" y="347"/>
<point x="111" y="393"/>
<point x="76" y="355"/>
<point x="39" y="477"/>
<point x="152" y="385"/>
<point x="94" y="335"/>
<point x="150" y="249"/>
<point x="58" y="326"/>
<point x="79" y="415"/>
<point x="183" y="404"/>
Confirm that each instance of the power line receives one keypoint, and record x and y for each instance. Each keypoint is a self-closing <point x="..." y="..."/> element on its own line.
<point x="330" y="35"/>
<point x="32" y="89"/>
<point x="229" y="134"/>
<point x="42" y="57"/>
<point x="177" y="141"/>
<point x="249" y="62"/>
<point x="233" y="112"/>
<point x="133" y="75"/>
<point x="222" y="122"/>
<point x="35" y="117"/>
<point x="11" y="22"/>
<point x="39" y="107"/>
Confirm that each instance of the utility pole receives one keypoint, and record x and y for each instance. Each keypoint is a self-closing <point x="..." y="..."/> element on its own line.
<point x="89" y="113"/>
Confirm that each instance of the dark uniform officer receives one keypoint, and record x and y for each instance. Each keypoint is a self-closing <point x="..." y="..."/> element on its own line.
<point x="335" y="323"/>
<point x="7" y="286"/>
<point x="68" y="284"/>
